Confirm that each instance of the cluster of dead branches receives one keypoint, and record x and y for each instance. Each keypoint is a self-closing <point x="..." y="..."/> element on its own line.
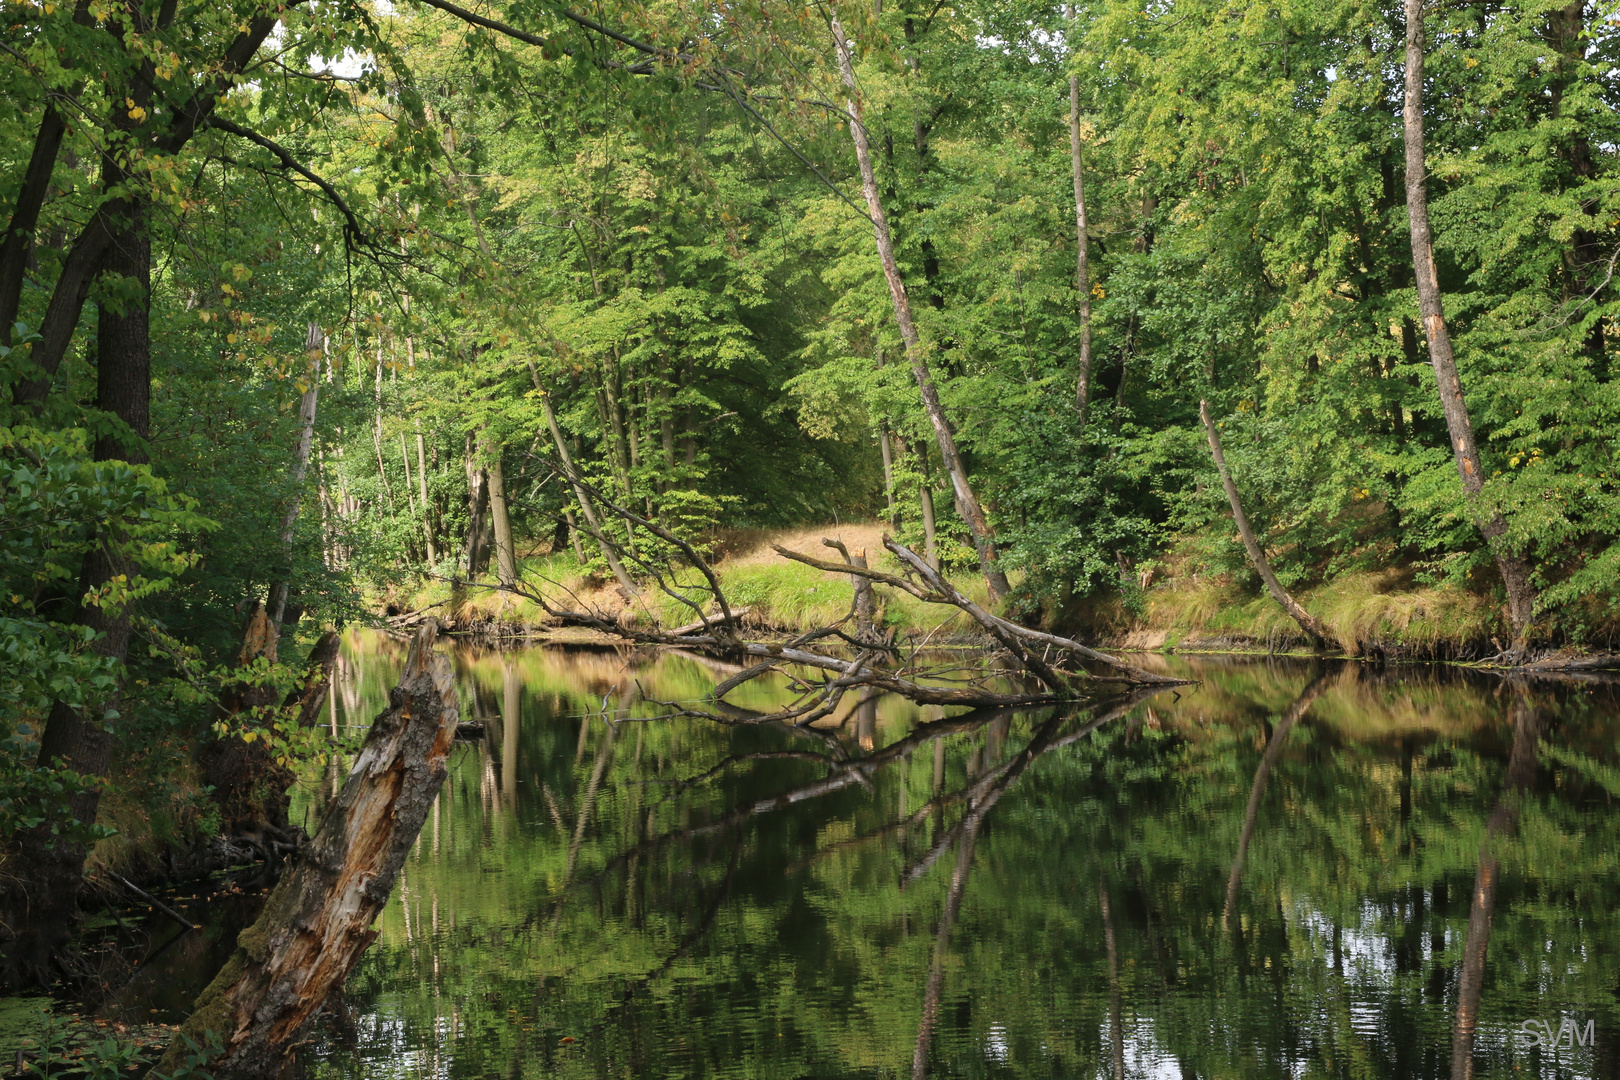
<point x="825" y="663"/>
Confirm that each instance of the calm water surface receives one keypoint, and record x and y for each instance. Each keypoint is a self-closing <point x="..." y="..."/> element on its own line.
<point x="1271" y="874"/>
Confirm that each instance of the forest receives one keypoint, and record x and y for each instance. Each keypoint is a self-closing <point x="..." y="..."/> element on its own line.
<point x="1279" y="327"/>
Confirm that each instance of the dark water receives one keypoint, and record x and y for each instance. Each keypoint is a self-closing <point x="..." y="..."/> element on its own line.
<point x="1190" y="887"/>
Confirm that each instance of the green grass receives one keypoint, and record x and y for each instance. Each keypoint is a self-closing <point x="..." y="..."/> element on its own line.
<point x="779" y="593"/>
<point x="1359" y="608"/>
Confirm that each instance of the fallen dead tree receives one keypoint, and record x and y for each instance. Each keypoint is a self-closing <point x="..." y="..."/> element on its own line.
<point x="317" y="922"/>
<point x="1052" y="662"/>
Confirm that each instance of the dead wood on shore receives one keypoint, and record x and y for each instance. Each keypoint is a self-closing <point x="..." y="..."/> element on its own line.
<point x="317" y="922"/>
<point x="872" y="662"/>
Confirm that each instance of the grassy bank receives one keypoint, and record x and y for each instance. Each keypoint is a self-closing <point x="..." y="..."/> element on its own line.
<point x="1365" y="611"/>
<point x="1181" y="607"/>
<point x="780" y="595"/>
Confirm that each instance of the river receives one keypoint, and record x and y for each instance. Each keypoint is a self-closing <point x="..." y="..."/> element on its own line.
<point x="1275" y="872"/>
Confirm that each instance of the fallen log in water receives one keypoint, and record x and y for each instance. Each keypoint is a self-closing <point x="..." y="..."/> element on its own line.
<point x="317" y="922"/>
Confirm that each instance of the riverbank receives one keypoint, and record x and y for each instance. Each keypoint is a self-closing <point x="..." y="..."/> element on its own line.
<point x="1385" y="614"/>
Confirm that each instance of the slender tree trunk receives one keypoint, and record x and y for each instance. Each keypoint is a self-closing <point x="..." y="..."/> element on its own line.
<point x="505" y="551"/>
<point x="376" y="433"/>
<point x="925" y="501"/>
<point x="1504" y="817"/>
<point x="573" y="536"/>
<point x="427" y="505"/>
<point x="305" y="701"/>
<point x="410" y="489"/>
<point x="1116" y="1019"/>
<point x="19" y="238"/>
<point x="1262" y="772"/>
<point x="1515" y="571"/>
<point x="475" y="550"/>
<point x="1082" y="383"/>
<point x="967" y="503"/>
<point x="585" y="505"/>
<point x="1319" y="634"/>
<point x="317" y="923"/>
<point x="314" y="345"/>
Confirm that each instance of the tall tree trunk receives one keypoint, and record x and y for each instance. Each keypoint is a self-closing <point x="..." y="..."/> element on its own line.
<point x="1082" y="383"/>
<point x="48" y="871"/>
<point x="475" y="551"/>
<point x="19" y="238"/>
<point x="585" y="504"/>
<point x="314" y="346"/>
<point x="1515" y="571"/>
<point x="85" y="255"/>
<point x="967" y="503"/>
<point x="925" y="502"/>
<point x="505" y="551"/>
<point x="428" y="531"/>
<point x="317" y="923"/>
<point x="1319" y="634"/>
<point x="243" y="778"/>
<point x="376" y="433"/>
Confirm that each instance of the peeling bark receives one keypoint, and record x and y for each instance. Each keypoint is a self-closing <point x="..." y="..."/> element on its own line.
<point x="317" y="922"/>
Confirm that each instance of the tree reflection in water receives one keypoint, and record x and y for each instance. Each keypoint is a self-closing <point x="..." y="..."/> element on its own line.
<point x="904" y="892"/>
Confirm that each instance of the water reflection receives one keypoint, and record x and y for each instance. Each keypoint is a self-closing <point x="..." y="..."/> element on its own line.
<point x="1275" y="874"/>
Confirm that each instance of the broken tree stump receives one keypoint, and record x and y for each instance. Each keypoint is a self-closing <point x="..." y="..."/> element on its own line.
<point x="317" y="922"/>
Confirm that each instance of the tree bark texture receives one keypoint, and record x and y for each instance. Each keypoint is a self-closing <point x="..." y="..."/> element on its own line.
<point x="1515" y="571"/>
<point x="317" y="922"/>
<point x="967" y="503"/>
<point x="19" y="237"/>
<point x="475" y="551"/>
<point x="305" y="701"/>
<point x="1319" y="634"/>
<point x="427" y="507"/>
<point x="505" y="549"/>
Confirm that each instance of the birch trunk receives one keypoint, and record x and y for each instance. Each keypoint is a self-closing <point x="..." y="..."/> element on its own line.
<point x="1320" y="635"/>
<point x="967" y="503"/>
<point x="1521" y="593"/>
